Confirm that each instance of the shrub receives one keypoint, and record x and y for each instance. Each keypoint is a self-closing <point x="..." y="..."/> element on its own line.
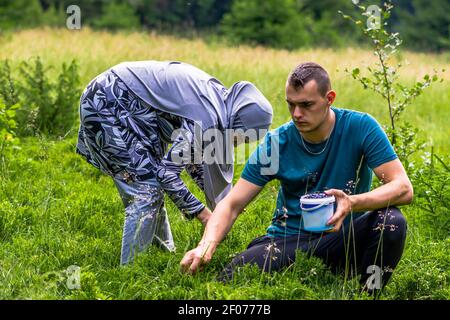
<point x="117" y="16"/>
<point x="272" y="23"/>
<point x="8" y="90"/>
<point x="20" y="13"/>
<point x="432" y="188"/>
<point x="8" y="127"/>
<point x="384" y="80"/>
<point x="46" y="106"/>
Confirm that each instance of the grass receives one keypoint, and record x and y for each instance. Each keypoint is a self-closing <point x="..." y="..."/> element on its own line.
<point x="57" y="211"/>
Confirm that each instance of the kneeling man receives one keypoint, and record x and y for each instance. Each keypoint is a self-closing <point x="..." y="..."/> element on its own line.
<point x="329" y="149"/>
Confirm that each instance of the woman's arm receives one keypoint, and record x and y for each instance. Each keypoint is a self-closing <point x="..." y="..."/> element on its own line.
<point x="169" y="171"/>
<point x="196" y="173"/>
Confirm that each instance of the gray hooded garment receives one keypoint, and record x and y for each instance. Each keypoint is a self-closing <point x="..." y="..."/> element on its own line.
<point x="186" y="91"/>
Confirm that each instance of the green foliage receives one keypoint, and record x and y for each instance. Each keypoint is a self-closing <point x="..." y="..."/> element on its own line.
<point x="383" y="78"/>
<point x="8" y="90"/>
<point x="327" y="29"/>
<point x="272" y="23"/>
<point x="35" y="90"/>
<point x="432" y="189"/>
<point x="431" y="182"/>
<point x="425" y="24"/>
<point x="20" y="13"/>
<point x="46" y="106"/>
<point x="56" y="210"/>
<point x="54" y="16"/>
<point x="88" y="288"/>
<point x="8" y="119"/>
<point x="208" y="13"/>
<point x="423" y="272"/>
<point x="65" y="105"/>
<point x="177" y="15"/>
<point x="117" y="16"/>
<point x="8" y="126"/>
<point x="72" y="215"/>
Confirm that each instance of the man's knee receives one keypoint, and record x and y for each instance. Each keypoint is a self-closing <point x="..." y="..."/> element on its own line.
<point x="227" y="273"/>
<point x="398" y="220"/>
<point x="393" y="224"/>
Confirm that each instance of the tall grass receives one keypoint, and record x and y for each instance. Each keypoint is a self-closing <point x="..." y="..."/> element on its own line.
<point x="57" y="211"/>
<point x="268" y="68"/>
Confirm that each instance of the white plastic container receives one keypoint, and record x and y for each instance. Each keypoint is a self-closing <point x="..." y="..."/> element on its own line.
<point x="317" y="211"/>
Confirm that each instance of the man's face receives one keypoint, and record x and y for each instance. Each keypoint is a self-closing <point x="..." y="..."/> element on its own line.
<point x="307" y="106"/>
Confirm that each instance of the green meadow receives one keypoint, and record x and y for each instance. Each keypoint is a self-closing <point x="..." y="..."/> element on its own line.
<point x="57" y="211"/>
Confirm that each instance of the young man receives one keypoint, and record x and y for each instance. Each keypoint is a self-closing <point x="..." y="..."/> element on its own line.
<point x="326" y="149"/>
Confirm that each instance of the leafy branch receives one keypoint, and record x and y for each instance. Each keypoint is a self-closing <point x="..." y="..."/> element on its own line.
<point x="383" y="77"/>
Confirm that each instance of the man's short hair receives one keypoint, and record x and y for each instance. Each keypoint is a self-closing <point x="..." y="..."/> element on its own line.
<point x="308" y="71"/>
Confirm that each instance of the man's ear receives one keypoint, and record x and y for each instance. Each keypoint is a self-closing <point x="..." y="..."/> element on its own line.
<point x="331" y="96"/>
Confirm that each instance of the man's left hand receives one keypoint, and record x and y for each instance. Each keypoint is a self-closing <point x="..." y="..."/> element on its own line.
<point x="344" y="207"/>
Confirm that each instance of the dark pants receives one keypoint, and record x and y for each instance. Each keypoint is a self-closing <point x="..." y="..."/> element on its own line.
<point x="370" y="245"/>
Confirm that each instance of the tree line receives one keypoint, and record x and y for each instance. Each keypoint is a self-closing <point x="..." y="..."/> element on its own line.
<point x="289" y="24"/>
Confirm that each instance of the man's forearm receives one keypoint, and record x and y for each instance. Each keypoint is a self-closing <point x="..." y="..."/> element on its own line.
<point x="390" y="194"/>
<point x="219" y="224"/>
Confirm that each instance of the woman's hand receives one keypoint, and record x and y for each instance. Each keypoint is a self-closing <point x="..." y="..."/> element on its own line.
<point x="204" y="216"/>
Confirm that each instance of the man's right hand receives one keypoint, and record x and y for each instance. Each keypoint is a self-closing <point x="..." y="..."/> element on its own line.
<point x="219" y="224"/>
<point x="195" y="259"/>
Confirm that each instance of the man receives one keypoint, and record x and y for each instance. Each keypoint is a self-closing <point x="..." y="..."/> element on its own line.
<point x="326" y="149"/>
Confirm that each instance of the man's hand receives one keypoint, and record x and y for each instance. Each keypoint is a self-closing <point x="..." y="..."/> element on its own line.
<point x="195" y="259"/>
<point x="204" y="216"/>
<point x="219" y="224"/>
<point x="344" y="207"/>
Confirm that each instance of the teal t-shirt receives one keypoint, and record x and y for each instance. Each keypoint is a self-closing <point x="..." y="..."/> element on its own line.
<point x="357" y="141"/>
